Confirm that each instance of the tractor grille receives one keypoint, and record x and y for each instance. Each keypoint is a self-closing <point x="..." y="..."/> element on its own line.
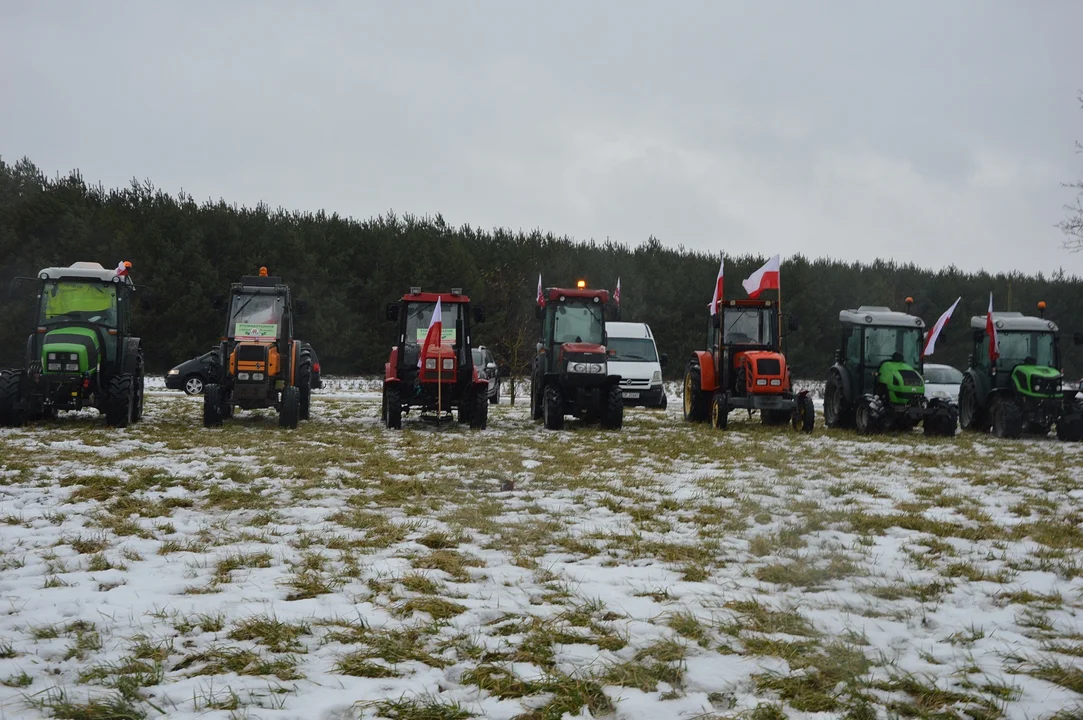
<point x="911" y="378"/>
<point x="768" y="366"/>
<point x="257" y="353"/>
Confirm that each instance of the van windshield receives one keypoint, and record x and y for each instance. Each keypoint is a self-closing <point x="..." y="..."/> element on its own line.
<point x="632" y="349"/>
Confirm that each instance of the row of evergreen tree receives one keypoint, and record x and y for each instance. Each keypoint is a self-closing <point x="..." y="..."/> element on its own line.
<point x="348" y="270"/>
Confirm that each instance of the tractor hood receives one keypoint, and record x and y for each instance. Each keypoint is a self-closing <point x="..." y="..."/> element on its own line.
<point x="898" y="377"/>
<point x="1038" y="381"/>
<point x="64" y="347"/>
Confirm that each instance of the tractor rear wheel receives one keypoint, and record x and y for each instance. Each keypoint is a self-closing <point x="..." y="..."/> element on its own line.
<point x="613" y="418"/>
<point x="120" y="400"/>
<point x="537" y="398"/>
<point x="554" y="408"/>
<point x="1007" y="417"/>
<point x="9" y="398"/>
<point x="720" y="410"/>
<point x="466" y="405"/>
<point x="479" y="416"/>
<point x="290" y="411"/>
<point x="304" y="385"/>
<point x="392" y="407"/>
<point x="137" y="411"/>
<point x="971" y="415"/>
<point x="866" y="419"/>
<point x="696" y="405"/>
<point x="803" y="417"/>
<point x="837" y="414"/>
<point x="212" y="407"/>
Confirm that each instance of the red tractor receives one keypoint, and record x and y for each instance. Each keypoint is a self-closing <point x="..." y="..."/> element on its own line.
<point x="439" y="376"/>
<point x="743" y="367"/>
<point x="570" y="373"/>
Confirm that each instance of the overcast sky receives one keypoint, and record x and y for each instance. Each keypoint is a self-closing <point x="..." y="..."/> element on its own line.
<point x="933" y="132"/>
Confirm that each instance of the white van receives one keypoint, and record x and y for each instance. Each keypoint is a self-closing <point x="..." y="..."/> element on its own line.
<point x="637" y="362"/>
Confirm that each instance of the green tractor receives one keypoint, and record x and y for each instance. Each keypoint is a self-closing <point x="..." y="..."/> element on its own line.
<point x="1023" y="390"/>
<point x="876" y="383"/>
<point x="81" y="353"/>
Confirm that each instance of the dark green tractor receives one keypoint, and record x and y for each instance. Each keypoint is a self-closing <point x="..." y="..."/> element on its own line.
<point x="1023" y="390"/>
<point x="81" y="353"/>
<point x="876" y="383"/>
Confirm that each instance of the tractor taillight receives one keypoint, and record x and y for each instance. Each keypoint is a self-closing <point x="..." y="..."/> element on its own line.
<point x="86" y="383"/>
<point x="316" y="367"/>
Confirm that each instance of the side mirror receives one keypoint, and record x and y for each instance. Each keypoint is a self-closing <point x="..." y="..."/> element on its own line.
<point x="539" y="312"/>
<point x="301" y="306"/>
<point x="218" y="302"/>
<point x="392" y="313"/>
<point x="663" y="360"/>
<point x="1077" y="338"/>
<point x="479" y="315"/>
<point x="794" y="324"/>
<point x="504" y="371"/>
<point x="716" y="320"/>
<point x="490" y="365"/>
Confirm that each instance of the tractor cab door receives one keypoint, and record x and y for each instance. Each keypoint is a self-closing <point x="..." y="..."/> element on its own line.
<point x="547" y="338"/>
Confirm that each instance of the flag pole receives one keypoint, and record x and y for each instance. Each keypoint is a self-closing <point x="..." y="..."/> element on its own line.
<point x="780" y="305"/>
<point x="439" y="383"/>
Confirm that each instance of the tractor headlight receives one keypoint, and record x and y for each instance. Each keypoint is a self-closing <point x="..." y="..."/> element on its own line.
<point x="242" y="376"/>
<point x="586" y="367"/>
<point x="449" y="364"/>
<point x="74" y="357"/>
<point x="52" y="356"/>
<point x="656" y="378"/>
<point x="72" y="367"/>
<point x="761" y="381"/>
<point x="430" y="363"/>
<point x="776" y="382"/>
<point x="257" y="376"/>
<point x="54" y="366"/>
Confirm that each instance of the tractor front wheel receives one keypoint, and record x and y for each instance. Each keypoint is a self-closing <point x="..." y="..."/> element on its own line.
<point x="866" y="419"/>
<point x="9" y="398"/>
<point x="290" y="411"/>
<point x="1007" y="418"/>
<point x="720" y="410"/>
<point x="392" y="407"/>
<point x="971" y="415"/>
<point x="479" y="416"/>
<point x="554" y="408"/>
<point x="804" y="414"/>
<point x="120" y="401"/>
<point x="613" y="418"/>
<point x="212" y="408"/>
<point x="696" y="407"/>
<point x="537" y="399"/>
<point x="1070" y="427"/>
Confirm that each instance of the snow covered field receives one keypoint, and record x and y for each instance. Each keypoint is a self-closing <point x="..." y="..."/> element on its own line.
<point x="664" y="571"/>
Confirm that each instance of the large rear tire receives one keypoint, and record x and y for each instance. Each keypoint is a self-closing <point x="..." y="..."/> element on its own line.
<point x="803" y="417"/>
<point x="10" y="416"/>
<point x="837" y="412"/>
<point x="290" y="411"/>
<point x="696" y="405"/>
<point x="479" y="417"/>
<point x="1007" y="417"/>
<point x="1070" y="426"/>
<point x="120" y="400"/>
<point x="393" y="403"/>
<point x="554" y="408"/>
<point x="972" y="416"/>
<point x="304" y="385"/>
<point x="212" y="407"/>
<point x="613" y="418"/>
<point x="537" y="398"/>
<point x="137" y="413"/>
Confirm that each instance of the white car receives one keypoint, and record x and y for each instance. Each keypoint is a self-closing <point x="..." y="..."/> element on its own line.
<point x="943" y="382"/>
<point x="635" y="359"/>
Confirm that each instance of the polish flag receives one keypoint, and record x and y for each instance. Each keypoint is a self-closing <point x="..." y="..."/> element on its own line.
<point x="991" y="331"/>
<point x="934" y="332"/>
<point x="716" y="299"/>
<point x="616" y="293"/>
<point x="122" y="268"/>
<point x="766" y="278"/>
<point x="432" y="337"/>
<point x="541" y="296"/>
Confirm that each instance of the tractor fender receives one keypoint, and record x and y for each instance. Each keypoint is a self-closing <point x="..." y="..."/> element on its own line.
<point x="981" y="384"/>
<point x="391" y="367"/>
<point x="704" y="360"/>
<point x="131" y="356"/>
<point x="843" y="375"/>
<point x="802" y="393"/>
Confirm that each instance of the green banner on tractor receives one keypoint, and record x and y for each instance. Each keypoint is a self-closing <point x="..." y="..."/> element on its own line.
<point x="445" y="334"/>
<point x="255" y="330"/>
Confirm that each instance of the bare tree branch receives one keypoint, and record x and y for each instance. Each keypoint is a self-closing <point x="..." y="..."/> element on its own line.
<point x="1072" y="226"/>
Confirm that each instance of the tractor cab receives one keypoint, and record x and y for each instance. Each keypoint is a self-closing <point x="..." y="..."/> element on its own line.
<point x="439" y="375"/>
<point x="743" y="337"/>
<point x="570" y="373"/>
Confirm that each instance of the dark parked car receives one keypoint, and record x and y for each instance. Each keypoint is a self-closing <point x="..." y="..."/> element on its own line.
<point x="487" y="368"/>
<point x="193" y="375"/>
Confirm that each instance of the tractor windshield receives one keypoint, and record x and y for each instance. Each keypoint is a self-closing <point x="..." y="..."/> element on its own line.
<point x="578" y="322"/>
<point x="419" y="315"/>
<point x="892" y="343"/>
<point x="74" y="301"/>
<point x="256" y="315"/>
<point x="1025" y="348"/>
<point x="747" y="326"/>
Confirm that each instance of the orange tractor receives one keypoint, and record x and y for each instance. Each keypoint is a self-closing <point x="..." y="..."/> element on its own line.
<point x="744" y="367"/>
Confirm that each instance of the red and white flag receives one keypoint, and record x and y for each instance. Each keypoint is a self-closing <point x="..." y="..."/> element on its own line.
<point x="432" y="337"/>
<point x="766" y="278"/>
<point x="991" y="331"/>
<point x="716" y="299"/>
<point x="934" y="331"/>
<point x="122" y="268"/>
<point x="541" y="296"/>
<point x="616" y="293"/>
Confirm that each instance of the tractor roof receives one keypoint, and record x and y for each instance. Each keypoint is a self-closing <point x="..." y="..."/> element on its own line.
<point x="747" y="303"/>
<point x="1015" y="321"/>
<point x="80" y="270"/>
<point x="556" y="293"/>
<point x="879" y="315"/>
<point x="455" y="296"/>
<point x="260" y="281"/>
